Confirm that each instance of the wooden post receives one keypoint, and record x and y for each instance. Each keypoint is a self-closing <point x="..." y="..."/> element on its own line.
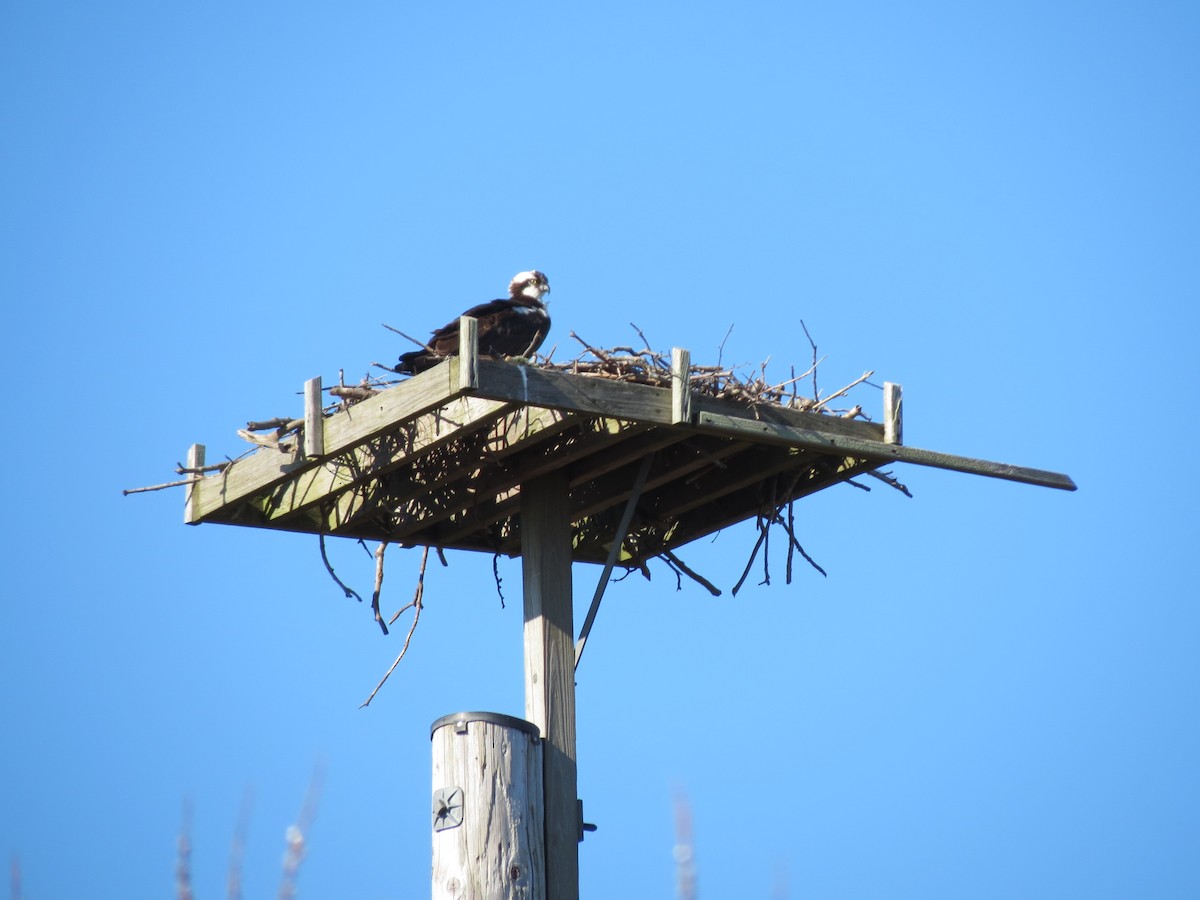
<point x="468" y="353"/>
<point x="487" y="808"/>
<point x="893" y="413"/>
<point x="550" y="669"/>
<point x="681" y="389"/>
<point x="314" y="419"/>
<point x="195" y="461"/>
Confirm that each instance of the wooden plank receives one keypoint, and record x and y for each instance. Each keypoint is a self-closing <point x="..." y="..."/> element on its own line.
<point x="550" y="670"/>
<point x="638" y="402"/>
<point x="704" y="519"/>
<point x="755" y="464"/>
<point x="445" y="496"/>
<point x="594" y="494"/>
<point x="602" y="438"/>
<point x="413" y="441"/>
<point x="343" y="431"/>
<point x="749" y="429"/>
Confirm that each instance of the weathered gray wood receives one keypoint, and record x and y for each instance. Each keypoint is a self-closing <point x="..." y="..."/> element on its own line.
<point x="550" y="669"/>
<point x="468" y="353"/>
<point x="460" y="492"/>
<point x="893" y="413"/>
<point x="497" y="850"/>
<point x="314" y="419"/>
<point x="386" y="411"/>
<point x="681" y="390"/>
<point x="419" y="438"/>
<point x="745" y="427"/>
<point x="635" y="402"/>
<point x="195" y="462"/>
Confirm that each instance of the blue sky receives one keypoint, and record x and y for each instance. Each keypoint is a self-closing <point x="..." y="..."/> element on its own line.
<point x="994" y="204"/>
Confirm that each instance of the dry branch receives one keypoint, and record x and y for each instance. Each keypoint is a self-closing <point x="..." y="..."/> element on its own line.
<point x="416" y="605"/>
<point x="350" y="592"/>
<point x="679" y="564"/>
<point x="379" y="551"/>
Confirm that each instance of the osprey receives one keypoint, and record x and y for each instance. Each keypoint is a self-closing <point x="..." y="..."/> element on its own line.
<point x="513" y="327"/>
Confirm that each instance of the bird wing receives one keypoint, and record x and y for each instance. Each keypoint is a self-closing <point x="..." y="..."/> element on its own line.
<point x="445" y="339"/>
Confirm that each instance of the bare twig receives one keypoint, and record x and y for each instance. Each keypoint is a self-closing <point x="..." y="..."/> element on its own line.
<point x="348" y="392"/>
<point x="496" y="575"/>
<point x="537" y="340"/>
<point x="379" y="551"/>
<point x="795" y="542"/>
<point x="762" y="535"/>
<point x="815" y="362"/>
<point x="325" y="559"/>
<point x="682" y="567"/>
<point x="791" y="523"/>
<point x="159" y="487"/>
<point x="857" y="381"/>
<point x="286" y="423"/>
<point x="409" y="337"/>
<point x="417" y="606"/>
<point x="890" y="480"/>
<point x="181" y="469"/>
<point x="721" y="346"/>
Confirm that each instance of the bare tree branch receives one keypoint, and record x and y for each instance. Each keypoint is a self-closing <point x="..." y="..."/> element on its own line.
<point x="379" y="551"/>
<point x="328" y="568"/>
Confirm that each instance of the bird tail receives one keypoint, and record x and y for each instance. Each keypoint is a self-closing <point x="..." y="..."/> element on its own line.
<point x="416" y="361"/>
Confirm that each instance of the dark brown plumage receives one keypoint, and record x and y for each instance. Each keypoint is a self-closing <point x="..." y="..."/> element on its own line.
<point x="513" y="327"/>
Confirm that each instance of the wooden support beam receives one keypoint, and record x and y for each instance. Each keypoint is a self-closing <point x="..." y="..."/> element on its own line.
<point x="701" y="519"/>
<point x="614" y="553"/>
<point x="550" y="669"/>
<point x="681" y="390"/>
<point x="748" y="428"/>
<point x="314" y="419"/>
<point x="458" y="420"/>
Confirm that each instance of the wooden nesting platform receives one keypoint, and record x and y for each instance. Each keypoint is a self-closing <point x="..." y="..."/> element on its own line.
<point x="439" y="460"/>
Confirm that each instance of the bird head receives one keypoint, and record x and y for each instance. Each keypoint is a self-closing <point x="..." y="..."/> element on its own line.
<point x="532" y="285"/>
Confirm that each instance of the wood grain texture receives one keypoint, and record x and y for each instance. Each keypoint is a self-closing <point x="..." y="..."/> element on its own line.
<point x="681" y="388"/>
<point x="343" y="431"/>
<point x="195" y="461"/>
<point x="893" y="413"/>
<point x="314" y="419"/>
<point x="826" y="442"/>
<point x="497" y="851"/>
<point x="550" y="669"/>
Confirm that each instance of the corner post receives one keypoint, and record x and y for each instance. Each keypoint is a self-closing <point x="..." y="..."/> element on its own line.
<point x="893" y="413"/>
<point x="681" y="389"/>
<point x="195" y="461"/>
<point x="550" y="669"/>
<point x="468" y="354"/>
<point x="314" y="419"/>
